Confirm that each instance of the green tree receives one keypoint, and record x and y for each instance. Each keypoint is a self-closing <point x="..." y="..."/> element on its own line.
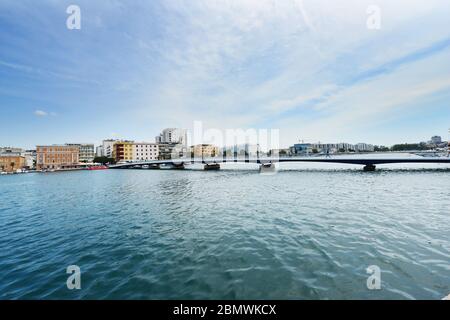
<point x="381" y="149"/>
<point x="104" y="160"/>
<point x="409" y="147"/>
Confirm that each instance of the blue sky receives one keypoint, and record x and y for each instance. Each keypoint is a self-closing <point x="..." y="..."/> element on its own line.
<point x="309" y="68"/>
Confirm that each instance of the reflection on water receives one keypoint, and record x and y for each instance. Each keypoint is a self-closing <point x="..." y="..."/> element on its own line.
<point x="308" y="232"/>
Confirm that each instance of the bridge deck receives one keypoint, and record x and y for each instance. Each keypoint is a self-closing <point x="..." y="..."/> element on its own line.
<point x="358" y="161"/>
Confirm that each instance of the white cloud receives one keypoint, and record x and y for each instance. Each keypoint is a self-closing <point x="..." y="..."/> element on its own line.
<point x="40" y="113"/>
<point x="246" y="63"/>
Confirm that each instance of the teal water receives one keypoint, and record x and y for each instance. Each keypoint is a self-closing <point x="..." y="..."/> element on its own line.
<point x="144" y="234"/>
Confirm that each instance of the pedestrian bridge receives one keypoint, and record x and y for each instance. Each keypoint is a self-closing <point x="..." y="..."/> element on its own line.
<point x="369" y="164"/>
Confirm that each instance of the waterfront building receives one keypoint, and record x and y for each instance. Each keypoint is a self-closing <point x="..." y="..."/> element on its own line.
<point x="123" y="151"/>
<point x="169" y="151"/>
<point x="330" y="148"/>
<point x="172" y="143"/>
<point x="87" y="151"/>
<point x="364" y="147"/>
<point x="11" y="163"/>
<point x="11" y="150"/>
<point x="346" y="147"/>
<point x="286" y="152"/>
<point x="108" y="147"/>
<point x="57" y="157"/>
<point x="300" y="149"/>
<point x="172" y="136"/>
<point x="30" y="159"/>
<point x="99" y="151"/>
<point x="324" y="147"/>
<point x="436" y="140"/>
<point x="145" y="151"/>
<point x="251" y="150"/>
<point x="204" y="151"/>
<point x="29" y="155"/>
<point x="246" y="150"/>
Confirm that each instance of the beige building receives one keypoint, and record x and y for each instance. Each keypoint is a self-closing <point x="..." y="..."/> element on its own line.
<point x="11" y="163"/>
<point x="57" y="157"/>
<point x="204" y="151"/>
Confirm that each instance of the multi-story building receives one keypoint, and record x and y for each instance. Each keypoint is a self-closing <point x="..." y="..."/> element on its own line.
<point x="11" y="163"/>
<point x="11" y="150"/>
<point x="341" y="147"/>
<point x="172" y="136"/>
<point x="169" y="151"/>
<point x="30" y="159"/>
<point x="99" y="151"/>
<point x="57" y="157"/>
<point x="436" y="140"/>
<point x="87" y="151"/>
<point x="246" y="150"/>
<point x="29" y="155"/>
<point x="123" y="151"/>
<point x="172" y="143"/>
<point x="144" y="151"/>
<point x="299" y="149"/>
<point x="204" y="151"/>
<point x="364" y="147"/>
<point x="286" y="152"/>
<point x="108" y="147"/>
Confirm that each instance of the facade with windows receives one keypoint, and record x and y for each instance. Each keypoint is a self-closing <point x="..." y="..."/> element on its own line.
<point x="172" y="136"/>
<point x="204" y="151"/>
<point x="301" y="149"/>
<point x="436" y="140"/>
<point x="57" y="157"/>
<point x="144" y="151"/>
<point x="87" y="151"/>
<point x="168" y="151"/>
<point x="123" y="151"/>
<point x="108" y="148"/>
<point x="99" y="151"/>
<point x="29" y="155"/>
<point x="11" y="163"/>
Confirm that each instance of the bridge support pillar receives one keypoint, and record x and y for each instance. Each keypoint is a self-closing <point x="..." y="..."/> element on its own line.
<point x="212" y="166"/>
<point x="269" y="168"/>
<point x="178" y="166"/>
<point x="369" y="167"/>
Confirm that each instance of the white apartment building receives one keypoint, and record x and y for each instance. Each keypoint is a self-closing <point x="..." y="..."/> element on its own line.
<point x="99" y="151"/>
<point x="364" y="147"/>
<point x="173" y="135"/>
<point x="144" y="151"/>
<point x="87" y="151"/>
<point x="108" y="147"/>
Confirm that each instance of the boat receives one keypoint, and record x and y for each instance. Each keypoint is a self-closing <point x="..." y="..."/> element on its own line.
<point x="98" y="168"/>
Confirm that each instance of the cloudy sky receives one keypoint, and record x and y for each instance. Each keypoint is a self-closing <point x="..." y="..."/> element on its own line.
<point x="312" y="69"/>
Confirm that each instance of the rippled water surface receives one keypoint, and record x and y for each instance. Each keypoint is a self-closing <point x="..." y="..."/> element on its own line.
<point x="144" y="234"/>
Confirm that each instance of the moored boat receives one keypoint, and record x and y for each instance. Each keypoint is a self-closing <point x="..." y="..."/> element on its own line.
<point x="98" y="168"/>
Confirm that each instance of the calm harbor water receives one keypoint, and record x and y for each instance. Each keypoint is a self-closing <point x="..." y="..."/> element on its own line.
<point x="232" y="234"/>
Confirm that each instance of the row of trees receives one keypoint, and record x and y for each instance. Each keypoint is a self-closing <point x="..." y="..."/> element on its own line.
<point x="403" y="147"/>
<point x="104" y="160"/>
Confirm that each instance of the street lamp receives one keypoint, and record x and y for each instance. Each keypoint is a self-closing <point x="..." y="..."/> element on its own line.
<point x="448" y="143"/>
